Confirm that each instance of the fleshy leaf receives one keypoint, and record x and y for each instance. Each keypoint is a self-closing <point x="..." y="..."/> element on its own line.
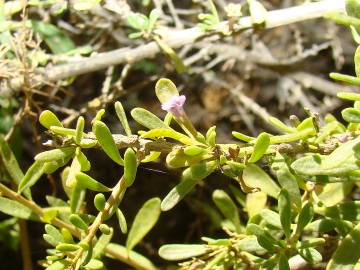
<point x="168" y="133"/>
<point x="261" y="145"/>
<point x="272" y="218"/>
<point x="349" y="96"/>
<point x="165" y="90"/>
<point x="190" y="177"/>
<point x="344" y="211"/>
<point x="283" y="262"/>
<point x="311" y="255"/>
<point x="138" y="21"/>
<point x="79" y="129"/>
<point x="144" y="221"/>
<point x="56" y="39"/>
<point x="85" y="181"/>
<point x="280" y="125"/>
<point x="176" y="252"/>
<point x="16" y="209"/>
<point x="77" y="221"/>
<point x="351" y="115"/>
<point x="140" y="260"/>
<point x="346" y="255"/>
<point x="227" y="207"/>
<point x="286" y="179"/>
<point x="255" y="177"/>
<point x="285" y="212"/>
<point x="264" y="238"/>
<point x="48" y="119"/>
<point x="255" y="202"/>
<point x="120" y="112"/>
<point x="55" y="154"/>
<point x="305" y="217"/>
<point x="148" y="119"/>
<point x="99" y="201"/>
<point x="122" y="221"/>
<point x="105" y="139"/>
<point x="130" y="166"/>
<point x="32" y="175"/>
<point x="312" y="165"/>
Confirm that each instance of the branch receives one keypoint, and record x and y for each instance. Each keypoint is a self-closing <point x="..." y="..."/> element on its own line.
<point x="124" y="257"/>
<point x="175" y="39"/>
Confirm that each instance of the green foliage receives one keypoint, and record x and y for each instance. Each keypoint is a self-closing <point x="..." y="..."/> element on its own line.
<point x="57" y="40"/>
<point x="145" y="25"/>
<point x="144" y="221"/>
<point x="180" y="252"/>
<point x="290" y="190"/>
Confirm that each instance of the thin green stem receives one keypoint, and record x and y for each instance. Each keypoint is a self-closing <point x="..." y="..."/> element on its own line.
<point x="118" y="190"/>
<point x="5" y="191"/>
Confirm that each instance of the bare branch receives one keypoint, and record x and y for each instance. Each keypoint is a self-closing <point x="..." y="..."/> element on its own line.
<point x="175" y="39"/>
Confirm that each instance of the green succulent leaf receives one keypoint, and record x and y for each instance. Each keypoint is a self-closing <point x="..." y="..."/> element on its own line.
<point x="144" y="221"/>
<point x="193" y="150"/>
<point x="283" y="262"/>
<point x="99" y="201"/>
<point x="120" y="112"/>
<point x="177" y="252"/>
<point x="85" y="181"/>
<point x="344" y="211"/>
<point x="250" y="244"/>
<point x="264" y="238"/>
<point x="48" y="119"/>
<point x="255" y="202"/>
<point x="106" y="140"/>
<point x="148" y="119"/>
<point x="270" y="217"/>
<point x="242" y="137"/>
<point x="55" y="154"/>
<point x="16" y="209"/>
<point x="305" y="217"/>
<point x="168" y="133"/>
<point x="286" y="179"/>
<point x="351" y="115"/>
<point x="261" y="145"/>
<point x="32" y="175"/>
<point x="165" y="90"/>
<point x="79" y="129"/>
<point x="285" y="212"/>
<point x="280" y="125"/>
<point x="227" y="207"/>
<point x="142" y="261"/>
<point x="130" y="167"/>
<point x="10" y="163"/>
<point x="153" y="17"/>
<point x="138" y="21"/>
<point x="311" y="255"/>
<point x="56" y="39"/>
<point x="313" y="165"/>
<point x="256" y="177"/>
<point x="346" y="255"/>
<point x="349" y="96"/>
<point x="63" y="247"/>
<point x="190" y="177"/>
<point x="77" y="221"/>
<point x="122" y="221"/>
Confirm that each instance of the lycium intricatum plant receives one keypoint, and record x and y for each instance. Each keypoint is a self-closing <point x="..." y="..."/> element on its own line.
<point x="291" y="210"/>
<point x="310" y="168"/>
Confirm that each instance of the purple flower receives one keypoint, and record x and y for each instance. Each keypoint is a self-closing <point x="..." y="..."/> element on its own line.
<point x="175" y="105"/>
